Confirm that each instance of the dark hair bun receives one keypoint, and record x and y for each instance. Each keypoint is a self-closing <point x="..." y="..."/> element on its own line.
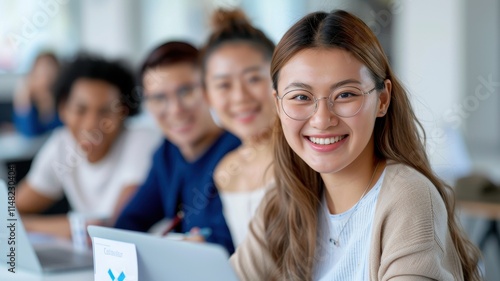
<point x="224" y="19"/>
<point x="234" y="26"/>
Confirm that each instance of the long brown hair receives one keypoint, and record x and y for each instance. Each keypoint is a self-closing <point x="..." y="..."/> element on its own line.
<point x="291" y="214"/>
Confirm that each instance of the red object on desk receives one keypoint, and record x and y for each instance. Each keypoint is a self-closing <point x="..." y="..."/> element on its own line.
<point x="174" y="223"/>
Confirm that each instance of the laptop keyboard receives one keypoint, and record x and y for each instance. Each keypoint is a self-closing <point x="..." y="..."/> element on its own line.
<point x="59" y="257"/>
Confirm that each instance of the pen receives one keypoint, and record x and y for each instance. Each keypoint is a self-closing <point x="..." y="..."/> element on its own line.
<point x="174" y="223"/>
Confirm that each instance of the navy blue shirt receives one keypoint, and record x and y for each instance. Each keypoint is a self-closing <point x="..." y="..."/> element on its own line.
<point x="174" y="184"/>
<point x="30" y="125"/>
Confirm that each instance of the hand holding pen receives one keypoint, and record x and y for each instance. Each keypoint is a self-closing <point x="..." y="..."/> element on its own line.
<point x="196" y="234"/>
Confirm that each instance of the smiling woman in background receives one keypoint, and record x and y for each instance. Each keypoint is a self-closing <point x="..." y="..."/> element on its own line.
<point x="236" y="63"/>
<point x="180" y="183"/>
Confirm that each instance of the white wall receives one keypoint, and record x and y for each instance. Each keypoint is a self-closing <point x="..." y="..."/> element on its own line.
<point x="190" y="20"/>
<point x="275" y="17"/>
<point x="429" y="57"/>
<point x="107" y="28"/>
<point x="448" y="55"/>
<point x="171" y="20"/>
<point x="480" y="106"/>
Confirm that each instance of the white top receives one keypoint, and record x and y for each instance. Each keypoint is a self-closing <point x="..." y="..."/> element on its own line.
<point x="61" y="166"/>
<point x="349" y="259"/>
<point x="239" y="209"/>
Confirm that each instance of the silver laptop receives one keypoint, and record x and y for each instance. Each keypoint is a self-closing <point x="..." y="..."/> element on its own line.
<point x="161" y="259"/>
<point x="19" y="252"/>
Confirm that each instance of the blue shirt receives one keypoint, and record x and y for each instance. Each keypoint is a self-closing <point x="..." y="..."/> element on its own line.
<point x="175" y="184"/>
<point x="29" y="124"/>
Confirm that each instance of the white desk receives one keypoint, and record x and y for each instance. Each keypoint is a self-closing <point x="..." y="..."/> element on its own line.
<point x="482" y="210"/>
<point x="15" y="146"/>
<point x="20" y="275"/>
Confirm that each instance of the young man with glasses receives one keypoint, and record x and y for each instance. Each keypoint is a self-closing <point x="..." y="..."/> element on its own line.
<point x="180" y="185"/>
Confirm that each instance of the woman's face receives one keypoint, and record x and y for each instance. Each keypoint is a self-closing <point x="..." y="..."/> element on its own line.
<point x="325" y="141"/>
<point x="174" y="97"/>
<point x="239" y="89"/>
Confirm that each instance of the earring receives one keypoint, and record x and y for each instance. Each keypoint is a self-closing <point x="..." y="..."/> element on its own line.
<point x="214" y="116"/>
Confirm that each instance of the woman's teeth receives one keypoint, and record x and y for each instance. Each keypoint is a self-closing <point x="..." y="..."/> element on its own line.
<point x="326" y="141"/>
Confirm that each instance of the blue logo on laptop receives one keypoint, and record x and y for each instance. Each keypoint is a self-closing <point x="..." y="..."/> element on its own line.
<point x="121" y="277"/>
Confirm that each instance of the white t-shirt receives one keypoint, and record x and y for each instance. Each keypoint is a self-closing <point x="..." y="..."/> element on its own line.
<point x="239" y="209"/>
<point x="348" y="260"/>
<point x="61" y="166"/>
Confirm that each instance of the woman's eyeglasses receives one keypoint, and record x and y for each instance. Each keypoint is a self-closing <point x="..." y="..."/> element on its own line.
<point x="301" y="104"/>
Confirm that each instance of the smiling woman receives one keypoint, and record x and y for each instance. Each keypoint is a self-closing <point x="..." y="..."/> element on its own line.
<point x="355" y="196"/>
<point x="347" y="94"/>
<point x="236" y="65"/>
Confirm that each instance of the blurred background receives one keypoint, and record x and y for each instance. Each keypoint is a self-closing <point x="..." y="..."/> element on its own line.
<point x="446" y="52"/>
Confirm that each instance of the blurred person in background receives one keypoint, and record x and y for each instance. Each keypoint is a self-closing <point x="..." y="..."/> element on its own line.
<point x="35" y="110"/>
<point x="93" y="159"/>
<point x="180" y="187"/>
<point x="236" y="64"/>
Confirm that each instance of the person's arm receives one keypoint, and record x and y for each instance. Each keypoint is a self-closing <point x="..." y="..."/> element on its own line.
<point x="139" y="173"/>
<point x="22" y="98"/>
<point x="55" y="225"/>
<point x="25" y="115"/>
<point x="252" y="260"/>
<point x="44" y="101"/>
<point x="27" y="123"/>
<point x="415" y="242"/>
<point x="27" y="95"/>
<point x="123" y="199"/>
<point x="29" y="202"/>
<point x="145" y="207"/>
<point x="41" y="188"/>
<point x="220" y="231"/>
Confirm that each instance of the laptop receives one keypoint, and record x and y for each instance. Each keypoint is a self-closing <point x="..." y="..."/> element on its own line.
<point x="161" y="259"/>
<point x="45" y="256"/>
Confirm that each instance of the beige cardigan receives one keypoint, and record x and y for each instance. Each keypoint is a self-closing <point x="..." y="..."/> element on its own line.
<point x="410" y="239"/>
